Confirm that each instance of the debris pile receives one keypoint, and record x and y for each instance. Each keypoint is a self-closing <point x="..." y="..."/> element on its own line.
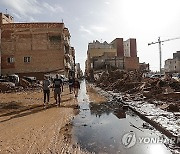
<point x="120" y="81"/>
<point x="22" y="85"/>
<point x="6" y="86"/>
<point x="133" y="85"/>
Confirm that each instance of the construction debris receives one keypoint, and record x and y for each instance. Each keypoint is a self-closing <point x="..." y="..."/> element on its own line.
<point x="22" y="85"/>
<point x="139" y="87"/>
<point x="6" y="86"/>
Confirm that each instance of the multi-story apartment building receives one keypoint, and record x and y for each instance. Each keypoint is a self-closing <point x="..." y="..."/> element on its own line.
<point x="79" y="73"/>
<point x="173" y="65"/>
<point x="125" y="48"/>
<point x="97" y="49"/>
<point x="118" y="53"/>
<point x="0" y="51"/>
<point x="35" y="49"/>
<point x="130" y="49"/>
<point x="118" y="44"/>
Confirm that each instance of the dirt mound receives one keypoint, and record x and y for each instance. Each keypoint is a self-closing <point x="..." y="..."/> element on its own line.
<point x="133" y="82"/>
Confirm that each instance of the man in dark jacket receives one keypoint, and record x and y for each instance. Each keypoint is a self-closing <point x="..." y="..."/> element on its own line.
<point x="71" y="82"/>
<point x="57" y="85"/>
<point x="46" y="89"/>
<point x="76" y="86"/>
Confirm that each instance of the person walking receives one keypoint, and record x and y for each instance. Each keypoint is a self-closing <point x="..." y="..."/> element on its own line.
<point x="71" y="81"/>
<point x="46" y="89"/>
<point x="62" y="85"/>
<point x="57" y="85"/>
<point x="76" y="86"/>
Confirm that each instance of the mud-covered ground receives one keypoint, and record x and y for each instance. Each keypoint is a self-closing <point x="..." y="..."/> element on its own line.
<point x="165" y="121"/>
<point x="26" y="127"/>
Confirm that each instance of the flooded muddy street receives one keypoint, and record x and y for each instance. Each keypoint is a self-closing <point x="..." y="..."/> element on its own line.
<point x="110" y="127"/>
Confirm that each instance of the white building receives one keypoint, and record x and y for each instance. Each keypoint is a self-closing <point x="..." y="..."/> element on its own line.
<point x="127" y="48"/>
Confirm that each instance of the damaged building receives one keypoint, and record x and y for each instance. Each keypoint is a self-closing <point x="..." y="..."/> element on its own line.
<point x="117" y="54"/>
<point x="35" y="49"/>
<point x="78" y="70"/>
<point x="0" y="51"/>
<point x="173" y="65"/>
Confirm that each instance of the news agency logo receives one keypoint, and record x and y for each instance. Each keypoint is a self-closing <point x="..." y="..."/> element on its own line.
<point x="130" y="139"/>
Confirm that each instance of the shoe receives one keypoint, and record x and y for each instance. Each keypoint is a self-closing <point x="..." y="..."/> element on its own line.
<point x="44" y="106"/>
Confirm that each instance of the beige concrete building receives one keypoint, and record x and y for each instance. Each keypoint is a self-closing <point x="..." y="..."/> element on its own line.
<point x="97" y="49"/>
<point x="0" y="51"/>
<point x="173" y="65"/>
<point x="35" y="49"/>
<point x="109" y="62"/>
<point x="79" y="73"/>
<point x="119" y="54"/>
<point x="6" y="18"/>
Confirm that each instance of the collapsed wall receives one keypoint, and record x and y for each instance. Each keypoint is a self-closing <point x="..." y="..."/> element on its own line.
<point x="133" y="83"/>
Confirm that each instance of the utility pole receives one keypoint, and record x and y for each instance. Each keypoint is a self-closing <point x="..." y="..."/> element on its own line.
<point x="160" y="56"/>
<point x="160" y="51"/>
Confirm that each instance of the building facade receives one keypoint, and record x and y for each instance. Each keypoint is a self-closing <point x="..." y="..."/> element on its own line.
<point x="0" y="51"/>
<point x="130" y="49"/>
<point x="35" y="49"/>
<point x="118" y="44"/>
<point x="173" y="65"/>
<point x="79" y="73"/>
<point x="97" y="49"/>
<point x="119" y="54"/>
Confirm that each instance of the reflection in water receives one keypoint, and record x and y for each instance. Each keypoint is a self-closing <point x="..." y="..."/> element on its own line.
<point x="100" y="128"/>
<point x="120" y="114"/>
<point x="107" y="108"/>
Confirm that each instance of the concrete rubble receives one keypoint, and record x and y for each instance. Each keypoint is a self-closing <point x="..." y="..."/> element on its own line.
<point x="22" y="85"/>
<point x="157" y="100"/>
<point x="134" y="87"/>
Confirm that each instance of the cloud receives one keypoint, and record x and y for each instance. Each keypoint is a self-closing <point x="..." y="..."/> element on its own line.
<point x="83" y="29"/>
<point x="23" y="10"/>
<point x="53" y="8"/>
<point x="93" y="29"/>
<point x="16" y="15"/>
<point x="99" y="29"/>
<point x="27" y="9"/>
<point x="107" y="3"/>
<point x="23" y="7"/>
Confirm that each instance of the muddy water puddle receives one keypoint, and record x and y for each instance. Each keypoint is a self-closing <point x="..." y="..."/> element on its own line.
<point x="112" y="128"/>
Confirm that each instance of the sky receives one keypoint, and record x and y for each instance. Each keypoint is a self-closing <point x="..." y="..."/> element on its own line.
<point x="105" y="20"/>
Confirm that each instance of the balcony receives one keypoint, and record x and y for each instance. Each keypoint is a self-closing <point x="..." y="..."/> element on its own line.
<point x="66" y="41"/>
<point x="67" y="65"/>
<point x="67" y="57"/>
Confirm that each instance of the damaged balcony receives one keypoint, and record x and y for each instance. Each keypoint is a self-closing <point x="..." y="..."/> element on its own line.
<point x="66" y="41"/>
<point x="67" y="65"/>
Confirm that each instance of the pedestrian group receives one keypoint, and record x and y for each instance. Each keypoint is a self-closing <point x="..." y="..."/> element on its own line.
<point x="57" y="87"/>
